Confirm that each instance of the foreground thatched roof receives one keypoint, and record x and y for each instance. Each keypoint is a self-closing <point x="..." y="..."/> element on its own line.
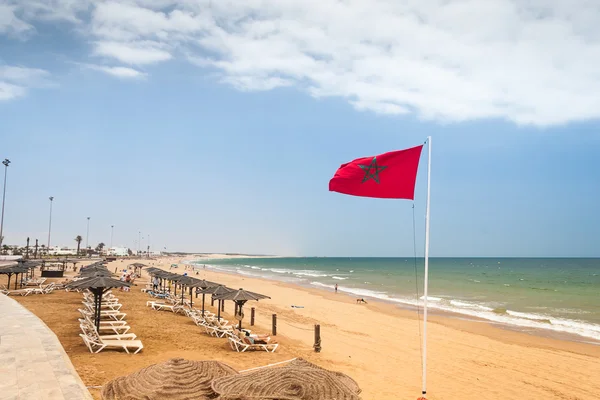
<point x="298" y="380"/>
<point x="175" y="379"/>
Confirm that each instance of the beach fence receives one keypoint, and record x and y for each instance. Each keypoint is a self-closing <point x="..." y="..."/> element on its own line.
<point x="316" y="328"/>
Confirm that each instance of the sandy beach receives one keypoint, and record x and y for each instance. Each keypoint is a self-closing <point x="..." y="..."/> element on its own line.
<point x="377" y="344"/>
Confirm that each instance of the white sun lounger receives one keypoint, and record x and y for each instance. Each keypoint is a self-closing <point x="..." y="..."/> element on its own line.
<point x="96" y="345"/>
<point x="91" y="330"/>
<point x="239" y="346"/>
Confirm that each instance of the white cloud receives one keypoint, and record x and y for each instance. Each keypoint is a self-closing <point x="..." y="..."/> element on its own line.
<point x="9" y="91"/>
<point x="530" y="62"/>
<point x="14" y="81"/>
<point x="119" y="72"/>
<point x="12" y="25"/>
<point x="133" y="52"/>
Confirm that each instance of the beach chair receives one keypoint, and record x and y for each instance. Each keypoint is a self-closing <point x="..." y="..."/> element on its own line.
<point x="111" y="322"/>
<point x="163" y="306"/>
<point x="91" y="330"/>
<point x="105" y="306"/>
<point x="156" y="294"/>
<point x="96" y="345"/>
<point x="107" y="314"/>
<point x="36" y="282"/>
<point x="22" y="292"/>
<point x="44" y="290"/>
<point x="109" y="329"/>
<point x="241" y="345"/>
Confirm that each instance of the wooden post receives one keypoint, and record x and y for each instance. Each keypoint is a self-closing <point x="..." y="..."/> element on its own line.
<point x="223" y="305"/>
<point x="274" y="325"/>
<point x="252" y="311"/>
<point x="212" y="301"/>
<point x="317" y="345"/>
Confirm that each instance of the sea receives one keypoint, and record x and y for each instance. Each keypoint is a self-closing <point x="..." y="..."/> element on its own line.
<point x="553" y="295"/>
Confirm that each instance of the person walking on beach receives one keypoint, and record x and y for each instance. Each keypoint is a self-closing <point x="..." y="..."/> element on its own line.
<point x="155" y="283"/>
<point x="336" y="287"/>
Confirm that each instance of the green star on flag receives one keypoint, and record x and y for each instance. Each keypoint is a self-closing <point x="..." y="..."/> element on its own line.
<point x="376" y="169"/>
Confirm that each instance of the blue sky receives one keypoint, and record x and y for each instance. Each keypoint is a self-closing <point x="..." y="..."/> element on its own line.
<point x="214" y="140"/>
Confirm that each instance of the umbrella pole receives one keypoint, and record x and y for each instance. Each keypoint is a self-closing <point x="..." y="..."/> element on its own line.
<point x="98" y="298"/>
<point x="9" y="275"/>
<point x="219" y="312"/>
<point x="240" y="312"/>
<point x="191" y="301"/>
<point x="203" y="294"/>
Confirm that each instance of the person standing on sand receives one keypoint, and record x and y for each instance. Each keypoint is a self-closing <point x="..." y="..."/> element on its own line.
<point x="336" y="287"/>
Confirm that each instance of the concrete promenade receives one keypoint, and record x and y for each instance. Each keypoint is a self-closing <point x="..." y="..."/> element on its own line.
<point x="33" y="364"/>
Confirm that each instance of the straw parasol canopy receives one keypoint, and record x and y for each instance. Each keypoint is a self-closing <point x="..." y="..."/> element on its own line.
<point x="13" y="269"/>
<point x="97" y="285"/>
<point x="240" y="297"/>
<point x="190" y="283"/>
<point x="215" y="291"/>
<point x="96" y="269"/>
<point x="298" y="380"/>
<point x="175" y="379"/>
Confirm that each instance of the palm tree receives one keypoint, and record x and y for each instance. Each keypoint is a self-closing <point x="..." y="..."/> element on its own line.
<point x="78" y="239"/>
<point x="100" y="247"/>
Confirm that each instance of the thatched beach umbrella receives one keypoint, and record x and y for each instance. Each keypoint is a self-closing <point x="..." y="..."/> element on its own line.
<point x="240" y="297"/>
<point x="190" y="283"/>
<point x="298" y="380"/>
<point x="163" y="275"/>
<point x="179" y="280"/>
<point x="155" y="272"/>
<point x="175" y="379"/>
<point x="215" y="291"/>
<point x="98" y="285"/>
<point x="19" y="270"/>
<point x="91" y="271"/>
<point x="205" y="284"/>
<point x="136" y="267"/>
<point x="11" y="270"/>
<point x="31" y="265"/>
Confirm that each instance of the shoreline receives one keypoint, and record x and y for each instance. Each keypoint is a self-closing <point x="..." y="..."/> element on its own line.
<point x="432" y="312"/>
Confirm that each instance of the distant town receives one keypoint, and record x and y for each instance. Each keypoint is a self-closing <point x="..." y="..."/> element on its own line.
<point x="35" y="251"/>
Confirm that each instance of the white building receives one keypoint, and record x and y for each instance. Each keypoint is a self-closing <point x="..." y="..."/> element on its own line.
<point x="118" y="251"/>
<point x="62" y="251"/>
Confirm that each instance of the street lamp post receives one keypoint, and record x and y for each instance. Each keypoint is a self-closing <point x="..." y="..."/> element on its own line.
<point x="5" y="163"/>
<point x="50" y="222"/>
<point x="139" y="242"/>
<point x="112" y="227"/>
<point x="87" y="235"/>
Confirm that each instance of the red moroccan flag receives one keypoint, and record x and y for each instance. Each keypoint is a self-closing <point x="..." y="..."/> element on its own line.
<point x="390" y="175"/>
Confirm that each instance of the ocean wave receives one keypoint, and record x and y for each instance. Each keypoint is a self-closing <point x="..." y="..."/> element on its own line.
<point x="340" y="278"/>
<point x="313" y="274"/>
<point x="498" y="314"/>
<point x="431" y="298"/>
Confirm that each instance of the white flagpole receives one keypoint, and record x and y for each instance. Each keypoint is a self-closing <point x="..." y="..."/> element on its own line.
<point x="426" y="278"/>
